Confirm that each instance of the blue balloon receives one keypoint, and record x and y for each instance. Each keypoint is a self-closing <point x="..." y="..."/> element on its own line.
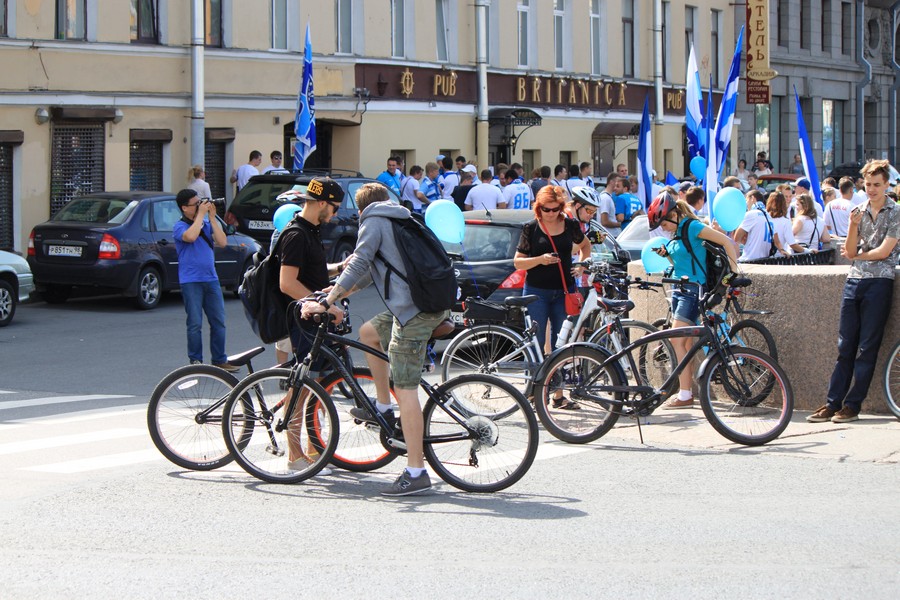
<point x="698" y="167"/>
<point x="729" y="208"/>
<point x="284" y="214"/>
<point x="444" y="218"/>
<point x="653" y="262"/>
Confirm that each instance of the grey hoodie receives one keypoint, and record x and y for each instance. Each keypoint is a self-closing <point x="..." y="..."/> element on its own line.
<point x="376" y="235"/>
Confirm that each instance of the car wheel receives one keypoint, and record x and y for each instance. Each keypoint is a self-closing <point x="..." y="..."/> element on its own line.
<point x="149" y="289"/>
<point x="342" y="251"/>
<point x="247" y="265"/>
<point x="56" y="294"/>
<point x="8" y="301"/>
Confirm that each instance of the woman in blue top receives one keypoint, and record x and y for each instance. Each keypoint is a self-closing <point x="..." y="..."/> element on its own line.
<point x="672" y="216"/>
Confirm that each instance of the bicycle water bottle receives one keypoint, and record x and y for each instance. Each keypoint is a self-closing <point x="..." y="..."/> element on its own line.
<point x="563" y="338"/>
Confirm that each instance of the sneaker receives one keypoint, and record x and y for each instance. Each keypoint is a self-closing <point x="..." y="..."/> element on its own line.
<point x="406" y="485"/>
<point x="823" y="414"/>
<point x="365" y="416"/>
<point x="227" y="367"/>
<point x="301" y="464"/>
<point x="673" y="403"/>
<point x="196" y="362"/>
<point x="845" y="415"/>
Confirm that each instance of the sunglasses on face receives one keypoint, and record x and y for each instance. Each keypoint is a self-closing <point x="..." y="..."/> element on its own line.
<point x="589" y="209"/>
<point x="547" y="209"/>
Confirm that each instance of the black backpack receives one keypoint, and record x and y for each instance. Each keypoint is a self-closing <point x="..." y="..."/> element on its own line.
<point x="429" y="271"/>
<point x="265" y="306"/>
<point x="717" y="265"/>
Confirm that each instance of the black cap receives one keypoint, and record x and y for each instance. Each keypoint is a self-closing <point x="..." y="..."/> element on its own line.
<point x="324" y="188"/>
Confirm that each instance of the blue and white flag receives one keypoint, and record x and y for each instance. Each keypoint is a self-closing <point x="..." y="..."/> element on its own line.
<point x="671" y="179"/>
<point x="645" y="159"/>
<point x="725" y="118"/>
<point x="806" y="153"/>
<point x="693" y="112"/>
<point x="711" y="181"/>
<point x="305" y="120"/>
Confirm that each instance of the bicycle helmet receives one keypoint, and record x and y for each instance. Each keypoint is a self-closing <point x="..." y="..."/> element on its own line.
<point x="584" y="194"/>
<point x="659" y="208"/>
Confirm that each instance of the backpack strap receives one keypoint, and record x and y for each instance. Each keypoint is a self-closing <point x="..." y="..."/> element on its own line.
<point x="771" y="228"/>
<point x="686" y="242"/>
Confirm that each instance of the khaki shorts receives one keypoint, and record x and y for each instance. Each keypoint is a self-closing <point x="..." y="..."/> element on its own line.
<point x="406" y="344"/>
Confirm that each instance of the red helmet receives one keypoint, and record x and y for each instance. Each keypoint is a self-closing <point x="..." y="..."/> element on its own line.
<point x="659" y="208"/>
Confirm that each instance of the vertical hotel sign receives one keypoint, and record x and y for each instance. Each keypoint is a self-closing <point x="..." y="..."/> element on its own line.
<point x="758" y="70"/>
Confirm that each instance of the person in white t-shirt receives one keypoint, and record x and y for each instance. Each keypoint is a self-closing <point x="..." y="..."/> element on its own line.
<point x="755" y="232"/>
<point x="410" y="190"/>
<point x="516" y="193"/>
<point x="449" y="180"/>
<point x="809" y="228"/>
<point x="607" y="214"/>
<point x="277" y="165"/>
<point x="245" y="172"/>
<point x="777" y="208"/>
<point x="485" y="196"/>
<point x="837" y="212"/>
<point x="560" y="174"/>
<point x="860" y="195"/>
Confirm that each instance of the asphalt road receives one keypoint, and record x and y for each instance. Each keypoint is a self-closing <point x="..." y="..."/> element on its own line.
<point x="89" y="509"/>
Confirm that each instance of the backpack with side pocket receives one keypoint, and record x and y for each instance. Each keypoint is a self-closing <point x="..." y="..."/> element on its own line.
<point x="716" y="269"/>
<point x="429" y="271"/>
<point x="265" y="306"/>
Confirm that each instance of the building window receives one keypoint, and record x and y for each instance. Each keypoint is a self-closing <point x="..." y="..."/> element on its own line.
<point x="781" y="22"/>
<point x="212" y="18"/>
<point x="826" y="26"/>
<point x="846" y="25"/>
<point x="690" y="24"/>
<point x="4" y="16"/>
<point x="715" y="52"/>
<point x="146" y="165"/>
<point x="398" y="23"/>
<point x="144" y="21"/>
<point x="628" y="38"/>
<point x="214" y="154"/>
<point x="596" y="39"/>
<point x="71" y="19"/>
<point x="559" y="34"/>
<point x="76" y="161"/>
<point x="827" y="135"/>
<point x="441" y="15"/>
<point x="666" y="16"/>
<point x="523" y="9"/>
<point x="278" y="12"/>
<point x="343" y="19"/>
<point x="7" y="235"/>
<point x="761" y="129"/>
<point x="805" y="18"/>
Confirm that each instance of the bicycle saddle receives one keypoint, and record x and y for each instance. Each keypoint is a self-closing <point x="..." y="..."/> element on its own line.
<point x="740" y="282"/>
<point x="239" y="360"/>
<point x="615" y="306"/>
<point x="520" y="300"/>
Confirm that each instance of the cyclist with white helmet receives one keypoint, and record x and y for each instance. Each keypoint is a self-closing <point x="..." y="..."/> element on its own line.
<point x="583" y="208"/>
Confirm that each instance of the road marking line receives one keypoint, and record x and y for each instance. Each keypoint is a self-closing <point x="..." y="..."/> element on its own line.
<point x="99" y="462"/>
<point x="90" y="415"/>
<point x="6" y="392"/>
<point x="59" y="400"/>
<point x="67" y="440"/>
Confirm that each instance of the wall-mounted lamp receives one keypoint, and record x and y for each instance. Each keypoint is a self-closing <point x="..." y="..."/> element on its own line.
<point x="118" y="116"/>
<point x="41" y="115"/>
<point x="381" y="85"/>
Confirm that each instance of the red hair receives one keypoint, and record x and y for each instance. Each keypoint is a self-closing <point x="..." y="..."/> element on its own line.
<point x="550" y="194"/>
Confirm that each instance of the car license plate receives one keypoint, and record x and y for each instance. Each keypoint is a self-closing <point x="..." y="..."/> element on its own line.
<point x="261" y="225"/>
<point x="456" y="317"/>
<point x="64" y="250"/>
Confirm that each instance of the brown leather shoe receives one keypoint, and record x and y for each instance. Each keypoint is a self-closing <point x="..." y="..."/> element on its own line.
<point x="823" y="414"/>
<point x="845" y="415"/>
<point x="674" y="402"/>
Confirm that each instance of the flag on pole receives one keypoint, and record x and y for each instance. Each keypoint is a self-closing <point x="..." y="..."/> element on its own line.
<point x="645" y="158"/>
<point x="693" y="112"/>
<point x="711" y="181"/>
<point x="305" y="120"/>
<point x="725" y="118"/>
<point x="806" y="153"/>
<point x="671" y="179"/>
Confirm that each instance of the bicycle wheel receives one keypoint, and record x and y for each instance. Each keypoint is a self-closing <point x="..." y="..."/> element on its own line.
<point x="359" y="445"/>
<point x="892" y="380"/>
<point x="488" y="454"/>
<point x="184" y="416"/>
<point x="281" y="448"/>
<point x="753" y="334"/>
<point x="654" y="361"/>
<point x="748" y="397"/>
<point x="580" y="374"/>
<point x="490" y="350"/>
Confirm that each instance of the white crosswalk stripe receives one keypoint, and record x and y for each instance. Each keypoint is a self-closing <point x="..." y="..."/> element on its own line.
<point x="58" y="400"/>
<point x="99" y="462"/>
<point x="69" y="440"/>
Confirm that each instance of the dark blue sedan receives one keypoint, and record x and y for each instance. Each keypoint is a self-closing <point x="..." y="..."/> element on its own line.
<point x="122" y="242"/>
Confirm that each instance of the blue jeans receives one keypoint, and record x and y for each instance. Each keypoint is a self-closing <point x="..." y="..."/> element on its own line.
<point x="551" y="305"/>
<point x="200" y="297"/>
<point x="865" y="307"/>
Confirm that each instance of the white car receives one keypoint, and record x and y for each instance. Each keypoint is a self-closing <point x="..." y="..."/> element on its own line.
<point x="635" y="236"/>
<point x="16" y="284"/>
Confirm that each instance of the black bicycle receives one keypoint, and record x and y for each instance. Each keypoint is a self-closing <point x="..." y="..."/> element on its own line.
<point x="294" y="425"/>
<point x="745" y="395"/>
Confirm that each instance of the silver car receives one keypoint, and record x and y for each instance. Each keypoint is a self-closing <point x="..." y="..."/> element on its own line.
<point x="16" y="285"/>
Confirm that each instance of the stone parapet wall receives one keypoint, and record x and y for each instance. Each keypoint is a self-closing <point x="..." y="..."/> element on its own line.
<point x="807" y="305"/>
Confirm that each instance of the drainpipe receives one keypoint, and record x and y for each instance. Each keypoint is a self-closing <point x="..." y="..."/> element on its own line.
<point x="481" y="121"/>
<point x="860" y="94"/>
<point x="659" y="155"/>
<point x="198" y="134"/>
<point x="892" y="113"/>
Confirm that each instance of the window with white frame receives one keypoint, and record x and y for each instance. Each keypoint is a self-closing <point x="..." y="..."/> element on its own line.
<point x="144" y="15"/>
<point x="4" y="12"/>
<point x="666" y="41"/>
<point x="523" y="11"/>
<point x="442" y="17"/>
<point x="715" y="50"/>
<point x="278" y="12"/>
<point x="398" y="26"/>
<point x="628" y="38"/>
<point x="343" y="19"/>
<point x="690" y="24"/>
<point x="559" y="35"/>
<point x="596" y="39"/>
<point x="71" y="19"/>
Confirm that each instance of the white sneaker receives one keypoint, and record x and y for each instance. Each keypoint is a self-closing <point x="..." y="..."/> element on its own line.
<point x="301" y="464"/>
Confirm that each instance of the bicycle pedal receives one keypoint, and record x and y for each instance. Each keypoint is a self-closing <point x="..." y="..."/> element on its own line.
<point x="397" y="444"/>
<point x="275" y="451"/>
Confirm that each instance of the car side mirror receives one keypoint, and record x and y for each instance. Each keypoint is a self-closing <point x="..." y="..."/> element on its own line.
<point x="230" y="230"/>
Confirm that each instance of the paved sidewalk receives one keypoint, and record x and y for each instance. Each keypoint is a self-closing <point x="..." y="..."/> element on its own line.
<point x="874" y="438"/>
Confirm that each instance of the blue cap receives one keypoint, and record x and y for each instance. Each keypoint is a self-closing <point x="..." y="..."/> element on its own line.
<point x="804" y="183"/>
<point x="440" y="157"/>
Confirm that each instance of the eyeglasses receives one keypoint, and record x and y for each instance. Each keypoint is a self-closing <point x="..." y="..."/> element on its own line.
<point x="589" y="209"/>
<point x="547" y="209"/>
<point x="195" y="204"/>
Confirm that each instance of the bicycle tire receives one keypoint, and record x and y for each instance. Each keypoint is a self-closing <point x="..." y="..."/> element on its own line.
<point x="892" y="380"/>
<point x="505" y="448"/>
<point x="750" y="338"/>
<point x="724" y="389"/>
<point x="173" y="411"/>
<point x="567" y="372"/>
<point x="655" y="362"/>
<point x="359" y="446"/>
<point x="267" y="453"/>
<point x="477" y="349"/>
